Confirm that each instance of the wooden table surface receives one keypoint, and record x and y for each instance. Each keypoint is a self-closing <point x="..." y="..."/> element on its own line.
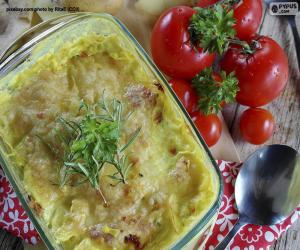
<point x="285" y="109"/>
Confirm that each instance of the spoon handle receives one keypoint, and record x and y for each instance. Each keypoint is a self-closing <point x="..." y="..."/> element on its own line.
<point x="224" y="243"/>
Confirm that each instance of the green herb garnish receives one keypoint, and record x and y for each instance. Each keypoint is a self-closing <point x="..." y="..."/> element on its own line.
<point x="212" y="93"/>
<point x="212" y="28"/>
<point x="94" y="141"/>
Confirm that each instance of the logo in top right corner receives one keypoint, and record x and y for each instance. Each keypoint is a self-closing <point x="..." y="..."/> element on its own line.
<point x="283" y="8"/>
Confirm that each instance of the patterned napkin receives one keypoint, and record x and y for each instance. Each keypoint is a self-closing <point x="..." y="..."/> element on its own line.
<point x="14" y="219"/>
<point x="250" y="237"/>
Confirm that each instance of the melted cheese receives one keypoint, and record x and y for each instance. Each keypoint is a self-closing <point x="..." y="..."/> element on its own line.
<point x="169" y="186"/>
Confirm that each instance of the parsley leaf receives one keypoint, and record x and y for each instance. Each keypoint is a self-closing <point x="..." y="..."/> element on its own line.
<point x="212" y="28"/>
<point x="212" y="94"/>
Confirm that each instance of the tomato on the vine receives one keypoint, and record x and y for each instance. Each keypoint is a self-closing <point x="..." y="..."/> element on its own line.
<point x="171" y="47"/>
<point x="248" y="16"/>
<point x="257" y="125"/>
<point x="262" y="73"/>
<point x="209" y="126"/>
<point x="185" y="93"/>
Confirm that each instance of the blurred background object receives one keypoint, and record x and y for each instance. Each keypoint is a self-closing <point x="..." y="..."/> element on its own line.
<point x="21" y="4"/>
<point x="3" y="16"/>
<point x="109" y="6"/>
<point x="138" y="15"/>
<point x="156" y="7"/>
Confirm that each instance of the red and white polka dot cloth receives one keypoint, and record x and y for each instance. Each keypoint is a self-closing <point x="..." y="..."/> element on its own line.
<point x="14" y="219"/>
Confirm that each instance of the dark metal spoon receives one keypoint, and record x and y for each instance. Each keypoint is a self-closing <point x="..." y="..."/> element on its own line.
<point x="292" y="22"/>
<point x="267" y="189"/>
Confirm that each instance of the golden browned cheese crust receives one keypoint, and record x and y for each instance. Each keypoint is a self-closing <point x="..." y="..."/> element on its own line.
<point x="169" y="186"/>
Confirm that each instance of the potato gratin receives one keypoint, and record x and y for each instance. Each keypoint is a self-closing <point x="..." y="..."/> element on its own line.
<point x="168" y="187"/>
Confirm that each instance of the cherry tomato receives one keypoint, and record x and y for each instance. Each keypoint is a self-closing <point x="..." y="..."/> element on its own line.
<point x="210" y="127"/>
<point x="171" y="48"/>
<point x="185" y="93"/>
<point x="262" y="75"/>
<point x="248" y="15"/>
<point x="257" y="125"/>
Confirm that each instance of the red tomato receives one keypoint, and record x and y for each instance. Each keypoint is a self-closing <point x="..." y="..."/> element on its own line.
<point x="262" y="76"/>
<point x="185" y="93"/>
<point x="248" y="15"/>
<point x="257" y="125"/>
<point x="210" y="127"/>
<point x="206" y="3"/>
<point x="171" y="47"/>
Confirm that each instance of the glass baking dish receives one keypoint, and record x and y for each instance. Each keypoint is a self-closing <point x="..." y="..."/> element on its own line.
<point x="48" y="32"/>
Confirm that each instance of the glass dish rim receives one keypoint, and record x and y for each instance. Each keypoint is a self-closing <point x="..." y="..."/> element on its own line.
<point x="146" y="58"/>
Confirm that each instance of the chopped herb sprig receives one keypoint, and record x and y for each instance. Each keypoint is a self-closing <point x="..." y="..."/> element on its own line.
<point x="94" y="141"/>
<point x="212" y="28"/>
<point x="212" y="93"/>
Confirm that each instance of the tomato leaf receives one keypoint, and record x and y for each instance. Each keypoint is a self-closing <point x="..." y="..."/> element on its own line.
<point x="212" y="28"/>
<point x="212" y="94"/>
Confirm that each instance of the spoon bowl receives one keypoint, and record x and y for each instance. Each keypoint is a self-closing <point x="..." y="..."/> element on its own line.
<point x="267" y="189"/>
